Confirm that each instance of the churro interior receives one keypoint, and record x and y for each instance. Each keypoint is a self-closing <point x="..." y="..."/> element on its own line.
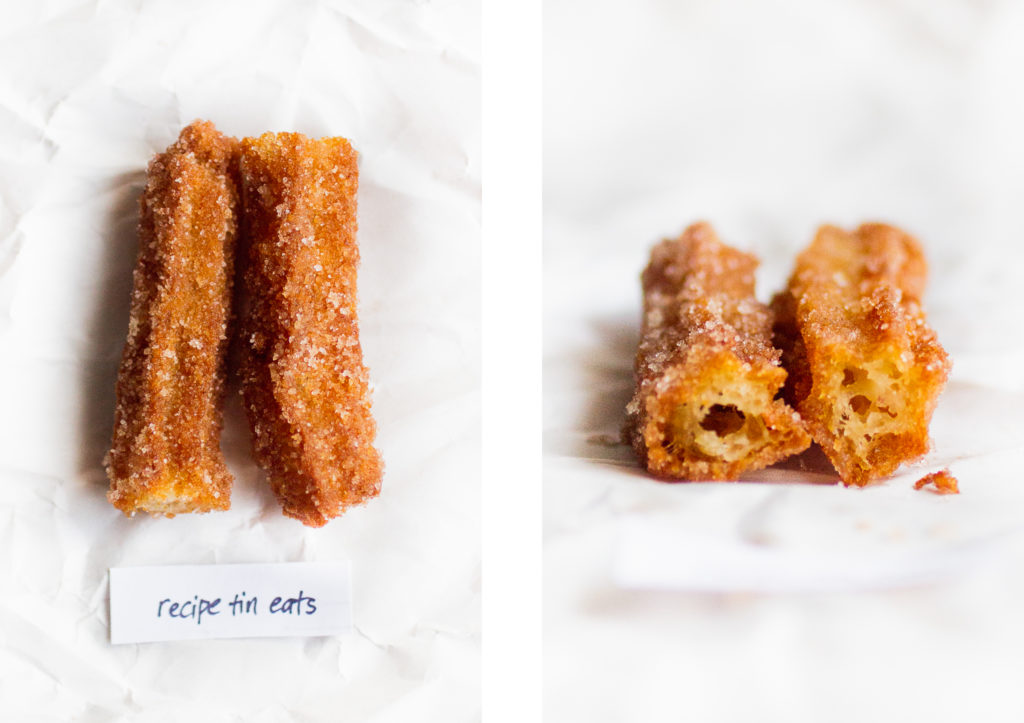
<point x="175" y="489"/>
<point x="726" y="426"/>
<point x="870" y="403"/>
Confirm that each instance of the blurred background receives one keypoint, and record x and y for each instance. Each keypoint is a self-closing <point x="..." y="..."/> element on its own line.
<point x="768" y="119"/>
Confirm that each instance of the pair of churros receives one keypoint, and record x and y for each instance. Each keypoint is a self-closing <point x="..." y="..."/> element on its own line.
<point x="305" y="387"/>
<point x="859" y="364"/>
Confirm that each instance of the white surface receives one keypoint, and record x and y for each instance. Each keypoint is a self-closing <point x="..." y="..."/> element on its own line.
<point x="88" y="92"/>
<point x="511" y="360"/>
<point x="786" y="597"/>
<point x="191" y="602"/>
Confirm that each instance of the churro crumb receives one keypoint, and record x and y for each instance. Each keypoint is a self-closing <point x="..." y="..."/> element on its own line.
<point x="944" y="483"/>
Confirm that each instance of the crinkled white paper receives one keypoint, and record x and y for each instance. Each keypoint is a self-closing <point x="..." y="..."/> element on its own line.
<point x="786" y="596"/>
<point x="89" y="91"/>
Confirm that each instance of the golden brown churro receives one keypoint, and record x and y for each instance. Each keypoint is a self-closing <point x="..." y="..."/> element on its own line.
<point x="305" y="387"/>
<point x="865" y="369"/>
<point x="707" y="374"/>
<point x="165" y="455"/>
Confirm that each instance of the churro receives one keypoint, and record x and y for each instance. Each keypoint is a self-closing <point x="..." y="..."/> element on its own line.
<point x="165" y="454"/>
<point x="305" y="388"/>
<point x="865" y="369"/>
<point x="706" y="372"/>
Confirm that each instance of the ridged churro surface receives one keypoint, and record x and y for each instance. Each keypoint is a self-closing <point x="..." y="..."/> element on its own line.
<point x="165" y="455"/>
<point x="865" y="369"/>
<point x="706" y="371"/>
<point x="305" y="387"/>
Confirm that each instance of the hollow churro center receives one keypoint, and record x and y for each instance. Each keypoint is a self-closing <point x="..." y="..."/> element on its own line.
<point x="728" y="430"/>
<point x="723" y="419"/>
<point x="860" y="404"/>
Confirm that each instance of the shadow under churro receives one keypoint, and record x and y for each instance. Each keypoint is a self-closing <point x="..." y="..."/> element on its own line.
<point x="106" y="324"/>
<point x="608" y="371"/>
<point x="811" y="460"/>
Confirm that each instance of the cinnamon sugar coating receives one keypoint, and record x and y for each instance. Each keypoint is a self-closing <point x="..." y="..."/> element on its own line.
<point x="165" y="454"/>
<point x="865" y="369"/>
<point x="304" y="384"/>
<point x="706" y="371"/>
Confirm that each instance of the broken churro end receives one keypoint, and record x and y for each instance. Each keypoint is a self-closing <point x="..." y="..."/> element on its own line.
<point x="865" y="369"/>
<point x="942" y="483"/>
<point x="705" y="405"/>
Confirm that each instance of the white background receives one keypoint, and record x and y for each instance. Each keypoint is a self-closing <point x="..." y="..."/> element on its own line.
<point x="88" y="92"/>
<point x="767" y="119"/>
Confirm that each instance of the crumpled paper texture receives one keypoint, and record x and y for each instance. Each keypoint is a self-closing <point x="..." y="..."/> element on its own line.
<point x="89" y="91"/>
<point x="787" y="596"/>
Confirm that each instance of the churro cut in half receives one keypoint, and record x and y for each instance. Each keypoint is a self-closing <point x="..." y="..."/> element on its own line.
<point x="305" y="388"/>
<point x="165" y="454"/>
<point x="865" y="369"/>
<point x="707" y="375"/>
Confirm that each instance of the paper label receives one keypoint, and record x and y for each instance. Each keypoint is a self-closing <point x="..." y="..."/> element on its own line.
<point x="186" y="602"/>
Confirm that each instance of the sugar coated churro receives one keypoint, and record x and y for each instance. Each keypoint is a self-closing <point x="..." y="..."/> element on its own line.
<point x="707" y="374"/>
<point x="165" y="455"/>
<point x="305" y="388"/>
<point x="865" y="369"/>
